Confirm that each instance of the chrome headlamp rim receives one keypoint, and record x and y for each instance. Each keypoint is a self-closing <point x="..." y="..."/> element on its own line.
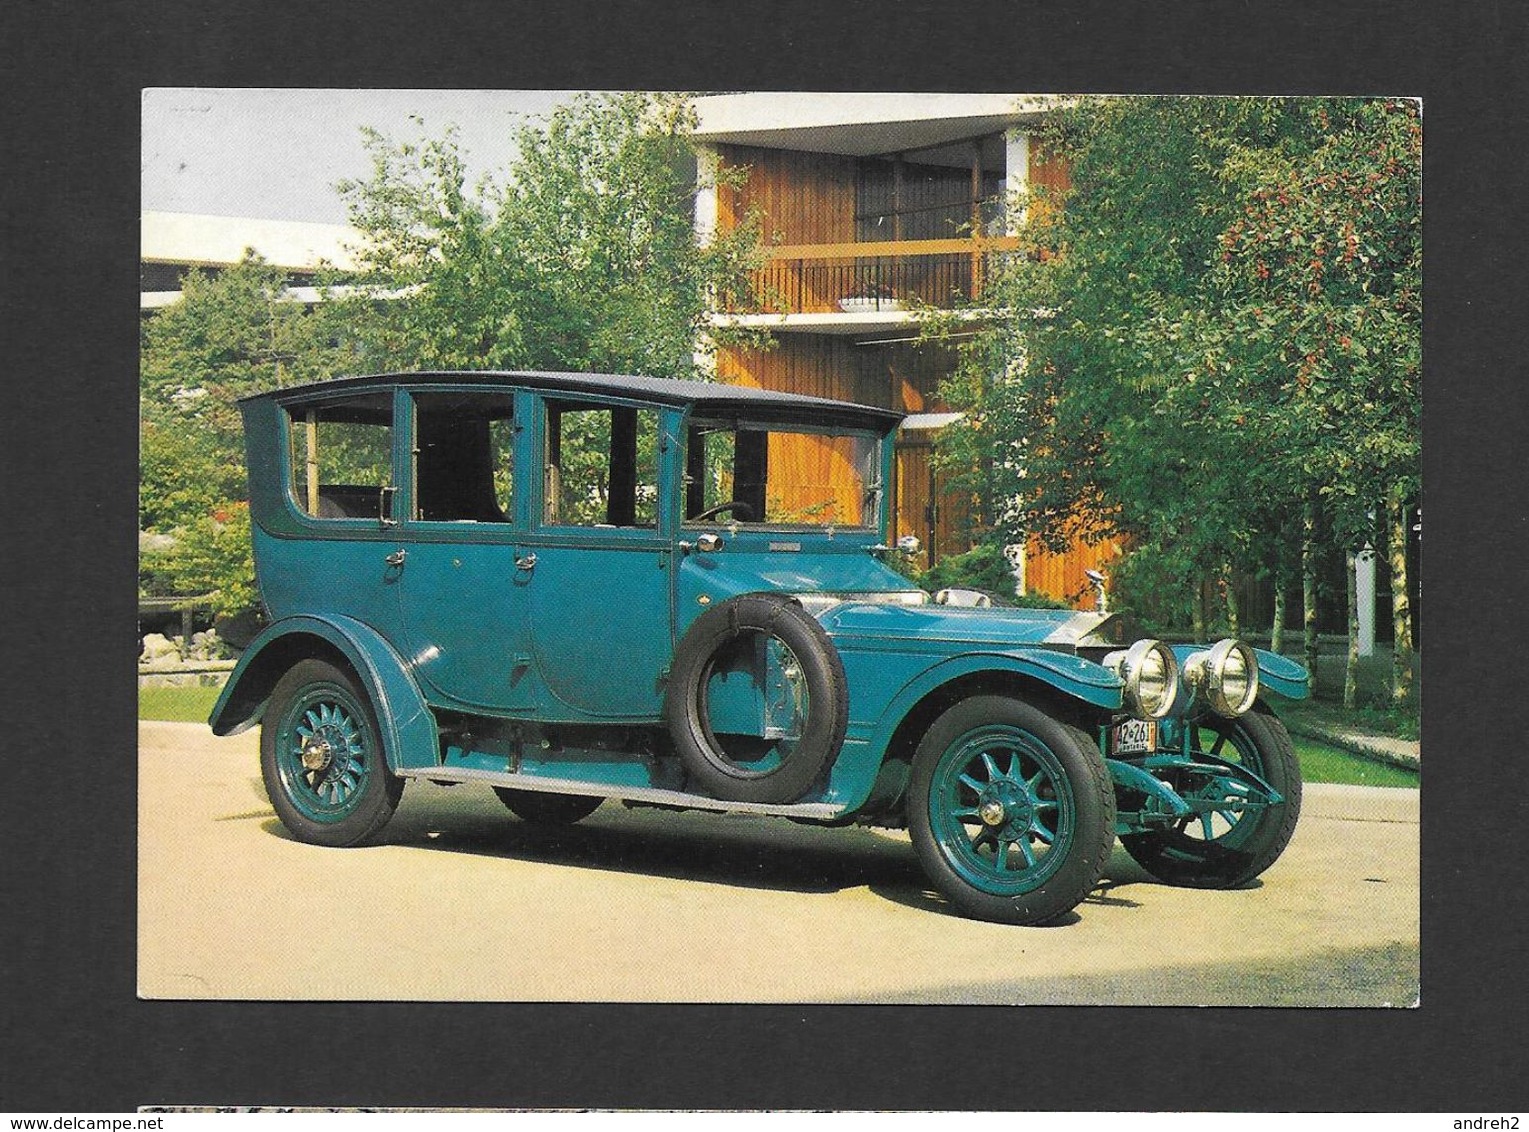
<point x="1130" y="665"/>
<point x="1207" y="673"/>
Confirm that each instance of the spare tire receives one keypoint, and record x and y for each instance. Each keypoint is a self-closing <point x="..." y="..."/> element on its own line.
<point x="769" y="768"/>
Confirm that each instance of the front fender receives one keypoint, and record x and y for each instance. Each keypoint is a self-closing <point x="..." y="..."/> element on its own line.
<point x="409" y="735"/>
<point x="1069" y="674"/>
<point x="1282" y="676"/>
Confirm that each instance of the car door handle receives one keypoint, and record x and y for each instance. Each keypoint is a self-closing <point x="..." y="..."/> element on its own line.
<point x="526" y="562"/>
<point x="396" y="558"/>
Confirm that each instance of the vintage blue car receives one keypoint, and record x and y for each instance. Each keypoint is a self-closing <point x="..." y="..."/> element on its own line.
<point x="576" y="588"/>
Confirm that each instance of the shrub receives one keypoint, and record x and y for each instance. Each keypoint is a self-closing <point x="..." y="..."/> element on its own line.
<point x="210" y="555"/>
<point x="983" y="567"/>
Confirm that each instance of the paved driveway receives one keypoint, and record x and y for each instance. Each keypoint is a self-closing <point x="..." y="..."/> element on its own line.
<point x="464" y="902"/>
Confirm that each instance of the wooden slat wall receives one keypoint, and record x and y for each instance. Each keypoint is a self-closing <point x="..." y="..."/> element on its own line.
<point x="812" y="479"/>
<point x="817" y="365"/>
<point x="806" y="198"/>
<point x="1047" y="172"/>
<point x="912" y="496"/>
<point x="1061" y="575"/>
<point x="919" y="486"/>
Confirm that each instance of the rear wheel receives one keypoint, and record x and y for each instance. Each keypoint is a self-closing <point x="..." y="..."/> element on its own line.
<point x="322" y="760"/>
<point x="1011" y="811"/>
<point x="1224" y="848"/>
<point x="541" y="808"/>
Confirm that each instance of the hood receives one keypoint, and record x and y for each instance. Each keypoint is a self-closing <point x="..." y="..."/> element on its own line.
<point x="843" y="569"/>
<point x="965" y="627"/>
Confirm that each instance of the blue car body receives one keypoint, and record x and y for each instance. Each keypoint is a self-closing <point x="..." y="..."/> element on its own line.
<point x="511" y="610"/>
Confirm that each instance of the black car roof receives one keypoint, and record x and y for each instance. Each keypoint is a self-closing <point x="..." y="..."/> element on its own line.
<point x="706" y="396"/>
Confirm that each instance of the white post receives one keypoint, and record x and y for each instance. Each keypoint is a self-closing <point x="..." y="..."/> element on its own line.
<point x="1016" y="163"/>
<point x="1364" y="591"/>
<point x="704" y="355"/>
<point x="706" y="194"/>
<point x="1015" y="553"/>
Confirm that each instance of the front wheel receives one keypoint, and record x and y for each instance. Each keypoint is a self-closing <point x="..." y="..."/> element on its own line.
<point x="1224" y="848"/>
<point x="321" y="758"/>
<point x="1011" y="811"/>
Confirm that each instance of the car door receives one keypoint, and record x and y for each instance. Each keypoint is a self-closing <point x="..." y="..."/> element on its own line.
<point x="335" y="547"/>
<point x="597" y="570"/>
<point x="459" y="592"/>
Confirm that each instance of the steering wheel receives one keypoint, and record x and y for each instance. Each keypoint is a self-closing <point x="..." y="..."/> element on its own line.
<point x="741" y="511"/>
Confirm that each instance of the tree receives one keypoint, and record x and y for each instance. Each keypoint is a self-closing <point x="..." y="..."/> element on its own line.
<point x="582" y="256"/>
<point x="1216" y="327"/>
<point x="230" y="335"/>
<point x="1323" y="272"/>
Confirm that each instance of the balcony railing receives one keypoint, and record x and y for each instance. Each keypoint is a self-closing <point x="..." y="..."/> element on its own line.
<point x="880" y="276"/>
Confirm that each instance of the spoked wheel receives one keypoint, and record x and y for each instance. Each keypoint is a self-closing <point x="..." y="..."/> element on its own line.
<point x="1011" y="811"/>
<point x="1228" y="844"/>
<point x="321" y="758"/>
<point x="547" y="809"/>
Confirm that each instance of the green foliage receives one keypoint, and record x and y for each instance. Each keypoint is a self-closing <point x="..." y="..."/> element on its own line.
<point x="983" y="567"/>
<point x="232" y="334"/>
<point x="583" y="256"/>
<point x="1222" y="316"/>
<point x="210" y="555"/>
<point x="1033" y="600"/>
<point x="1152" y="586"/>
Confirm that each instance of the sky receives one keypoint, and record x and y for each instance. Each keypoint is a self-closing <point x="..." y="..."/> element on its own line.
<point x="275" y="154"/>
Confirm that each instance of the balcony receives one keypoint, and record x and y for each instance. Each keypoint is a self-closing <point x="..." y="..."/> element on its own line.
<point x="880" y="278"/>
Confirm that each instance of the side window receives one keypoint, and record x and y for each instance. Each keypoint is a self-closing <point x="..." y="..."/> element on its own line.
<point x="341" y="456"/>
<point x="601" y="466"/>
<point x="787" y="476"/>
<point x="464" y="445"/>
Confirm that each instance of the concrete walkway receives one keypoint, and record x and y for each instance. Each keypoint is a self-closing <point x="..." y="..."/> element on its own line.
<point x="1405" y="753"/>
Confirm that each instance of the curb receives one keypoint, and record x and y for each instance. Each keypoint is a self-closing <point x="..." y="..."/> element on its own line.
<point x="1361" y="745"/>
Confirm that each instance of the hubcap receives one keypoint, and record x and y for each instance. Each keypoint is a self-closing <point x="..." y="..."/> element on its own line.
<point x="1007" y="803"/>
<point x="317" y="753"/>
<point x="324" y="755"/>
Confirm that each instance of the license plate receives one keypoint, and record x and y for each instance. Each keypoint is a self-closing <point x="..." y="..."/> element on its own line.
<point x="1134" y="737"/>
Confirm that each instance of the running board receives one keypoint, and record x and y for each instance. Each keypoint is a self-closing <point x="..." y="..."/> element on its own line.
<point x="817" y="811"/>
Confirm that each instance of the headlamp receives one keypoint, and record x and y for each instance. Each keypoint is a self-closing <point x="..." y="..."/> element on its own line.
<point x="1226" y="674"/>
<point x="1151" y="677"/>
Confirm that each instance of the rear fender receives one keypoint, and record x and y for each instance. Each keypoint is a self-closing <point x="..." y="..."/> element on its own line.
<point x="409" y="735"/>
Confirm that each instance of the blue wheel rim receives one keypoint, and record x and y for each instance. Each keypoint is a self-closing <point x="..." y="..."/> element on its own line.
<point x="1001" y="810"/>
<point x="1230" y="828"/>
<point x="324" y="753"/>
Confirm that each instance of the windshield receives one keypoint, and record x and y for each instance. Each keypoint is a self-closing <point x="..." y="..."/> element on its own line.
<point x="781" y="475"/>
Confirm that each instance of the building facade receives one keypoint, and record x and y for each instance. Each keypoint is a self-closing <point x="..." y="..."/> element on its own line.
<point x="873" y="205"/>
